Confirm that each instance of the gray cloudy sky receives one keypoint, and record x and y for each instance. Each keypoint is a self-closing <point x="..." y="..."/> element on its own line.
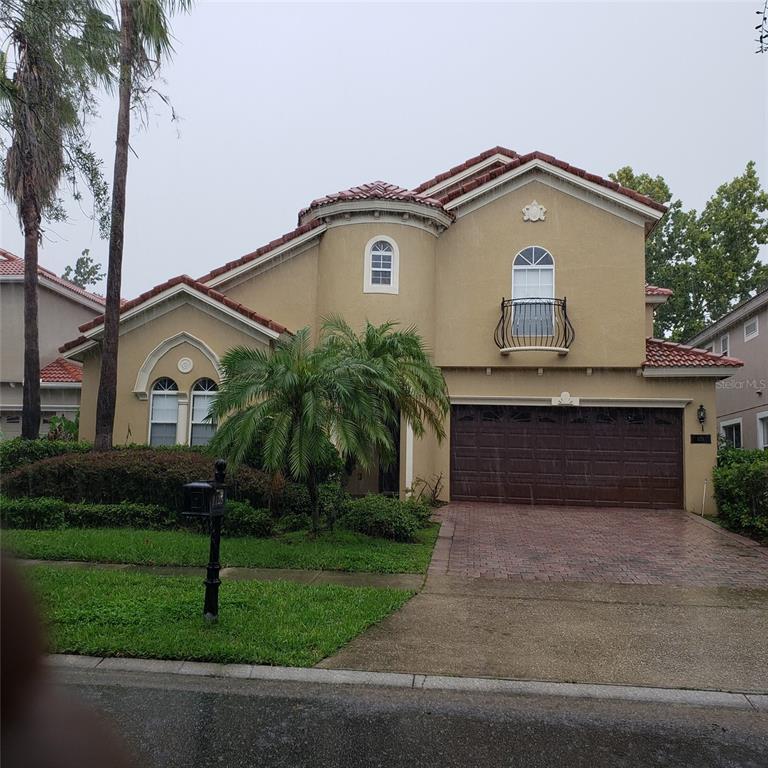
<point x="284" y="103"/>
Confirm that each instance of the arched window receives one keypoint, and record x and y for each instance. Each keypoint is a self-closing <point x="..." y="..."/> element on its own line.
<point x="202" y="428"/>
<point x="382" y="266"/>
<point x="533" y="288"/>
<point x="164" y="412"/>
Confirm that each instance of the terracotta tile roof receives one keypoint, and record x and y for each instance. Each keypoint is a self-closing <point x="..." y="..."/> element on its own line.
<point x="174" y="281"/>
<point x="13" y="265"/>
<point x="375" y="190"/>
<point x="61" y="370"/>
<point x="654" y="290"/>
<point x="668" y="354"/>
<point x="292" y="235"/>
<point x="516" y="160"/>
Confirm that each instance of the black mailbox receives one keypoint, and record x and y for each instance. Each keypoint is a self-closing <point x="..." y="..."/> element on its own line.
<point x="208" y="500"/>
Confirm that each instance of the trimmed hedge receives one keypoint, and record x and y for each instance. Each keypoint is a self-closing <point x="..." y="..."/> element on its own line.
<point x="741" y="490"/>
<point x="385" y="517"/>
<point x="18" y="452"/>
<point x="140" y="475"/>
<point x="240" y="519"/>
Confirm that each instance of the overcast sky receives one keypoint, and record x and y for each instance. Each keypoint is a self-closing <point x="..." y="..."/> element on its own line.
<point x="281" y="104"/>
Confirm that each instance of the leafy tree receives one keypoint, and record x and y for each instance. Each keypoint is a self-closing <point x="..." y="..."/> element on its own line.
<point x="145" y="40"/>
<point x="85" y="272"/>
<point x="710" y="261"/>
<point x="57" y="55"/>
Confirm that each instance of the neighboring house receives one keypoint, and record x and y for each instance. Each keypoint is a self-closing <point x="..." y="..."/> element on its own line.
<point x="63" y="306"/>
<point x="742" y="399"/>
<point x="526" y="278"/>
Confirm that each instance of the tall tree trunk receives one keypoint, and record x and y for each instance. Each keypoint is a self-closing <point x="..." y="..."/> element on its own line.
<point x="105" y="404"/>
<point x="30" y="414"/>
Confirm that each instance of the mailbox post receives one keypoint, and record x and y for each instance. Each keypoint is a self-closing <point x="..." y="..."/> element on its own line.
<point x="207" y="500"/>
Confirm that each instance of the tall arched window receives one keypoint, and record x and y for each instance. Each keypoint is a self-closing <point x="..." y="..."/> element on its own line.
<point x="382" y="266"/>
<point x="202" y="428"/>
<point x="533" y="288"/>
<point x="164" y="412"/>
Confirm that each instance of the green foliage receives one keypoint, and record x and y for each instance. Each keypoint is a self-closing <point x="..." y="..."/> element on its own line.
<point x="386" y="517"/>
<point x="710" y="260"/>
<point x="741" y="490"/>
<point x="41" y="513"/>
<point x="241" y="519"/>
<point x="17" y="452"/>
<point x="64" y="429"/>
<point x="104" y="613"/>
<point x="85" y="272"/>
<point x="140" y="475"/>
<point x="337" y="550"/>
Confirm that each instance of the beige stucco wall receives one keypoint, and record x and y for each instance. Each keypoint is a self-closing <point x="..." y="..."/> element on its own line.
<point x="649" y="317"/>
<point x="698" y="459"/>
<point x="285" y="293"/>
<point x="132" y="415"/>
<point x="599" y="266"/>
<point x="58" y="321"/>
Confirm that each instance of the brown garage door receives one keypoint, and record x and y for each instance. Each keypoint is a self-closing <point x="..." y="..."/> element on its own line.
<point x="554" y="455"/>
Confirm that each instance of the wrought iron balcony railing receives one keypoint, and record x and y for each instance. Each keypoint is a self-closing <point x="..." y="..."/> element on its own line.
<point x="534" y="324"/>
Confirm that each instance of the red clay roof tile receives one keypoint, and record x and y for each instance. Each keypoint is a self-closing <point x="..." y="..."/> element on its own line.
<point x="61" y="370"/>
<point x="668" y="354"/>
<point x="654" y="290"/>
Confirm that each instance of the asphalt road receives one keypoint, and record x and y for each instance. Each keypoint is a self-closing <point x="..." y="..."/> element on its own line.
<point x="183" y="721"/>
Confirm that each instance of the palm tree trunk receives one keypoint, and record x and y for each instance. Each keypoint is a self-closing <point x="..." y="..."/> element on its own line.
<point x="30" y="413"/>
<point x="105" y="404"/>
<point x="314" y="498"/>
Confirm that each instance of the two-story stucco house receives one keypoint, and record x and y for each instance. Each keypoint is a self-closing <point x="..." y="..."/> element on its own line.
<point x="526" y="278"/>
<point x="742" y="399"/>
<point x="62" y="308"/>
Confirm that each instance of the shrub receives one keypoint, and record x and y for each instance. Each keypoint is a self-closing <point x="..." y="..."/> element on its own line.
<point x="55" y="513"/>
<point x="741" y="490"/>
<point x="17" y="452"/>
<point x="140" y="475"/>
<point x="292" y="522"/>
<point x="382" y="516"/>
<point x="241" y="519"/>
<point x="294" y="500"/>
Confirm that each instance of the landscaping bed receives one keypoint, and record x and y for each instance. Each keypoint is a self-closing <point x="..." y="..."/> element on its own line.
<point x="103" y="613"/>
<point x="338" y="550"/>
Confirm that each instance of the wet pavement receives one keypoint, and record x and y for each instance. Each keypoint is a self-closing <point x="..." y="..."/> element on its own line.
<point x="176" y="721"/>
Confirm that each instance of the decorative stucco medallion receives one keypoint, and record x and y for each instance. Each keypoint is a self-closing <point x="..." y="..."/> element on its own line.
<point x="534" y="212"/>
<point x="185" y="365"/>
<point x="566" y="398"/>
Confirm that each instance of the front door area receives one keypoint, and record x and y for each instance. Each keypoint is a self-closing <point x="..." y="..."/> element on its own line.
<point x="613" y="457"/>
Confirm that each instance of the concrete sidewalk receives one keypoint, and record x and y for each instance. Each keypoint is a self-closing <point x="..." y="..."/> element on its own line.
<point x="408" y="581"/>
<point x="638" y="635"/>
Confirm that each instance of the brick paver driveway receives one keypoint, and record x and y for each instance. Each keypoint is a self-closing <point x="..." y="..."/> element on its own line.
<point x="623" y="546"/>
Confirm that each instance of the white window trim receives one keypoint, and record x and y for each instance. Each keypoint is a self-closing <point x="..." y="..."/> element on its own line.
<point x="192" y="395"/>
<point x="179" y="402"/>
<point x="533" y="266"/>
<point x="749" y="337"/>
<point x="368" y="287"/>
<point x="727" y="351"/>
<point x="758" y="418"/>
<point x="729" y="423"/>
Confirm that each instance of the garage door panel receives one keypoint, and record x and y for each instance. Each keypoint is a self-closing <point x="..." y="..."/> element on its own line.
<point x="604" y="456"/>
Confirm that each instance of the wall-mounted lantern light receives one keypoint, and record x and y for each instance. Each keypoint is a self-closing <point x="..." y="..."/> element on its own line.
<point x="701" y="415"/>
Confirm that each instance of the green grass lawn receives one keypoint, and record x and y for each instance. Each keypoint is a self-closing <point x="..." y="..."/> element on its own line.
<point x="336" y="551"/>
<point x="105" y="613"/>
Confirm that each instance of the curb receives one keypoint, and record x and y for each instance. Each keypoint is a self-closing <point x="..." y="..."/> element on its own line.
<point x="700" y="698"/>
<point x="737" y="537"/>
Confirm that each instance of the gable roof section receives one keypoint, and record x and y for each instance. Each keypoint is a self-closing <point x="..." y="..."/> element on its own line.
<point x="375" y="190"/>
<point x="219" y="274"/>
<point x="61" y="371"/>
<point x="12" y="267"/>
<point x="461" y="169"/>
<point x="662" y="354"/>
<point x="741" y="312"/>
<point x="184" y="282"/>
<point x="521" y="160"/>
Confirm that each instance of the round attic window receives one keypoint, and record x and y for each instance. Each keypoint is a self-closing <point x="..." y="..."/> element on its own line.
<point x="185" y="365"/>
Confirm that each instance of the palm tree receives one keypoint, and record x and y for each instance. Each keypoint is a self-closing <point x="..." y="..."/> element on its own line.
<point x="61" y="52"/>
<point x="408" y="384"/>
<point x="145" y="40"/>
<point x="296" y="401"/>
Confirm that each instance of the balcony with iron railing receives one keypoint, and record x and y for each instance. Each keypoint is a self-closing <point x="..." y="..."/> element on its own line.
<point x="534" y="324"/>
